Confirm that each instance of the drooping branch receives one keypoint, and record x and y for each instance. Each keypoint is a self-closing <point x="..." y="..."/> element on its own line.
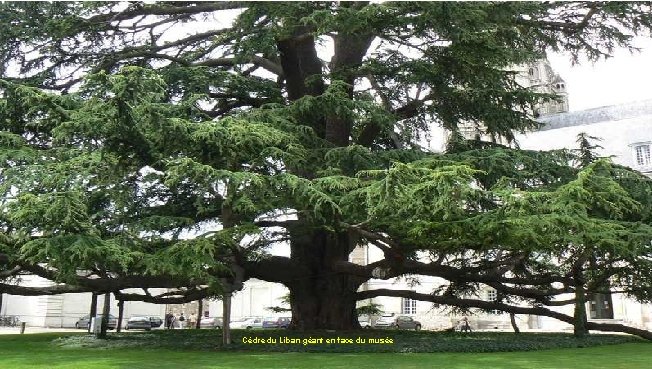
<point x="495" y="305"/>
<point x="274" y="269"/>
<point x="19" y="290"/>
<point x="100" y="285"/>
<point x="164" y="9"/>
<point x="179" y="297"/>
<point x="10" y="272"/>
<point x="266" y="64"/>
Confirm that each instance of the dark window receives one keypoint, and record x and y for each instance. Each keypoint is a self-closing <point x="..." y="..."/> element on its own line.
<point x="600" y="306"/>
<point x="642" y="154"/>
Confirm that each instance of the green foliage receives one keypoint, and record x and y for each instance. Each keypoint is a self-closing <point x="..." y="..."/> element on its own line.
<point x="120" y="134"/>
<point x="369" y="309"/>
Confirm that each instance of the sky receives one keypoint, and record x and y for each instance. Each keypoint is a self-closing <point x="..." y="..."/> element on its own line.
<point x="623" y="78"/>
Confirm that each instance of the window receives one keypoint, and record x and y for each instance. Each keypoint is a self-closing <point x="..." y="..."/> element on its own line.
<point x="600" y="306"/>
<point x="492" y="295"/>
<point x="408" y="306"/>
<point x="642" y="155"/>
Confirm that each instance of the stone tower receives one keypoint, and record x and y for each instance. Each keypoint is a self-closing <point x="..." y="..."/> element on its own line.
<point x="539" y="77"/>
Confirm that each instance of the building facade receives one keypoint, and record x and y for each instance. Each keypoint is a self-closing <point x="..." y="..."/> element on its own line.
<point x="539" y="77"/>
<point x="63" y="311"/>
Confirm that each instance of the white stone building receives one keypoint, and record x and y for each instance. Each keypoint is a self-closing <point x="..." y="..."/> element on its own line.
<point x="625" y="131"/>
<point x="538" y="77"/>
<point x="63" y="311"/>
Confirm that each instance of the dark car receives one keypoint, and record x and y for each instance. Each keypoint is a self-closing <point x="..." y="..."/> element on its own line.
<point x="155" y="321"/>
<point x="397" y="322"/>
<point x="85" y="321"/>
<point x="139" y="322"/>
<point x="281" y="322"/>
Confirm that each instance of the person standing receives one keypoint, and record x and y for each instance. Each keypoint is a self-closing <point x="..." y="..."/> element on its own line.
<point x="168" y="320"/>
<point x="192" y="321"/>
<point x="182" y="321"/>
<point x="465" y="325"/>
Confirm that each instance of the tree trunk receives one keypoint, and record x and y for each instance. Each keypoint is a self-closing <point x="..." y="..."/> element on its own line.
<point x="1" y="295"/>
<point x="512" y="319"/>
<point x="200" y="307"/>
<point x="93" y="311"/>
<point x="579" y="314"/>
<point x="121" y="310"/>
<point x="324" y="299"/>
<point x="323" y="307"/>
<point x="226" y="319"/>
<point x="106" y="309"/>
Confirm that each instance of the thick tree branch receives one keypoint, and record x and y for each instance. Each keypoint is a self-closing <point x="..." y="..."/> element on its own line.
<point x="11" y="272"/>
<point x="266" y="64"/>
<point x="12" y="289"/>
<point x="165" y="9"/>
<point x="181" y="298"/>
<point x="495" y="305"/>
<point x="274" y="269"/>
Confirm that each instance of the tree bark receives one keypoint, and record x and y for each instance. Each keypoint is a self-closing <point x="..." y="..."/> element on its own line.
<point x="324" y="298"/>
<point x="226" y="318"/>
<point x="579" y="315"/>
<point x="200" y="307"/>
<point x="106" y="309"/>
<point x="349" y="50"/>
<point x="512" y="319"/>
<point x="93" y="311"/>
<point x="121" y="310"/>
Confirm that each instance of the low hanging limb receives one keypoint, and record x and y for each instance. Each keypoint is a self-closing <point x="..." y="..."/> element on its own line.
<point x="494" y="305"/>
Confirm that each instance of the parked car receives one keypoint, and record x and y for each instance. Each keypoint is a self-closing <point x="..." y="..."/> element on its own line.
<point x="364" y="321"/>
<point x="85" y="321"/>
<point x="247" y="323"/>
<point x="211" y="322"/>
<point x="398" y="322"/>
<point x="277" y="322"/>
<point x="139" y="322"/>
<point x="155" y="321"/>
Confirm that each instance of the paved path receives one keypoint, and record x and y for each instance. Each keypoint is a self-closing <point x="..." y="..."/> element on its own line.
<point x="28" y="329"/>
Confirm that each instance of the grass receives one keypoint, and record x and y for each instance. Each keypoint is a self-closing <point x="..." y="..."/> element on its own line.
<point x="358" y="341"/>
<point x="47" y="351"/>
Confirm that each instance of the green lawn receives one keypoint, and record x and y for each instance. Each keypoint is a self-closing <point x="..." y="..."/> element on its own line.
<point x="39" y="351"/>
<point x="394" y="341"/>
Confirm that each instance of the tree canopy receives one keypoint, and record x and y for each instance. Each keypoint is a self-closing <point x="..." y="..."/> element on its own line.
<point x="127" y="125"/>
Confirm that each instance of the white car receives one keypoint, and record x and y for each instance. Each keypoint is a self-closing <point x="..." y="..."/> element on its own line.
<point x="247" y="323"/>
<point x="211" y="322"/>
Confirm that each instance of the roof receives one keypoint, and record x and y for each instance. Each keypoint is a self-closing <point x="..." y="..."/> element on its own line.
<point x="596" y="115"/>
